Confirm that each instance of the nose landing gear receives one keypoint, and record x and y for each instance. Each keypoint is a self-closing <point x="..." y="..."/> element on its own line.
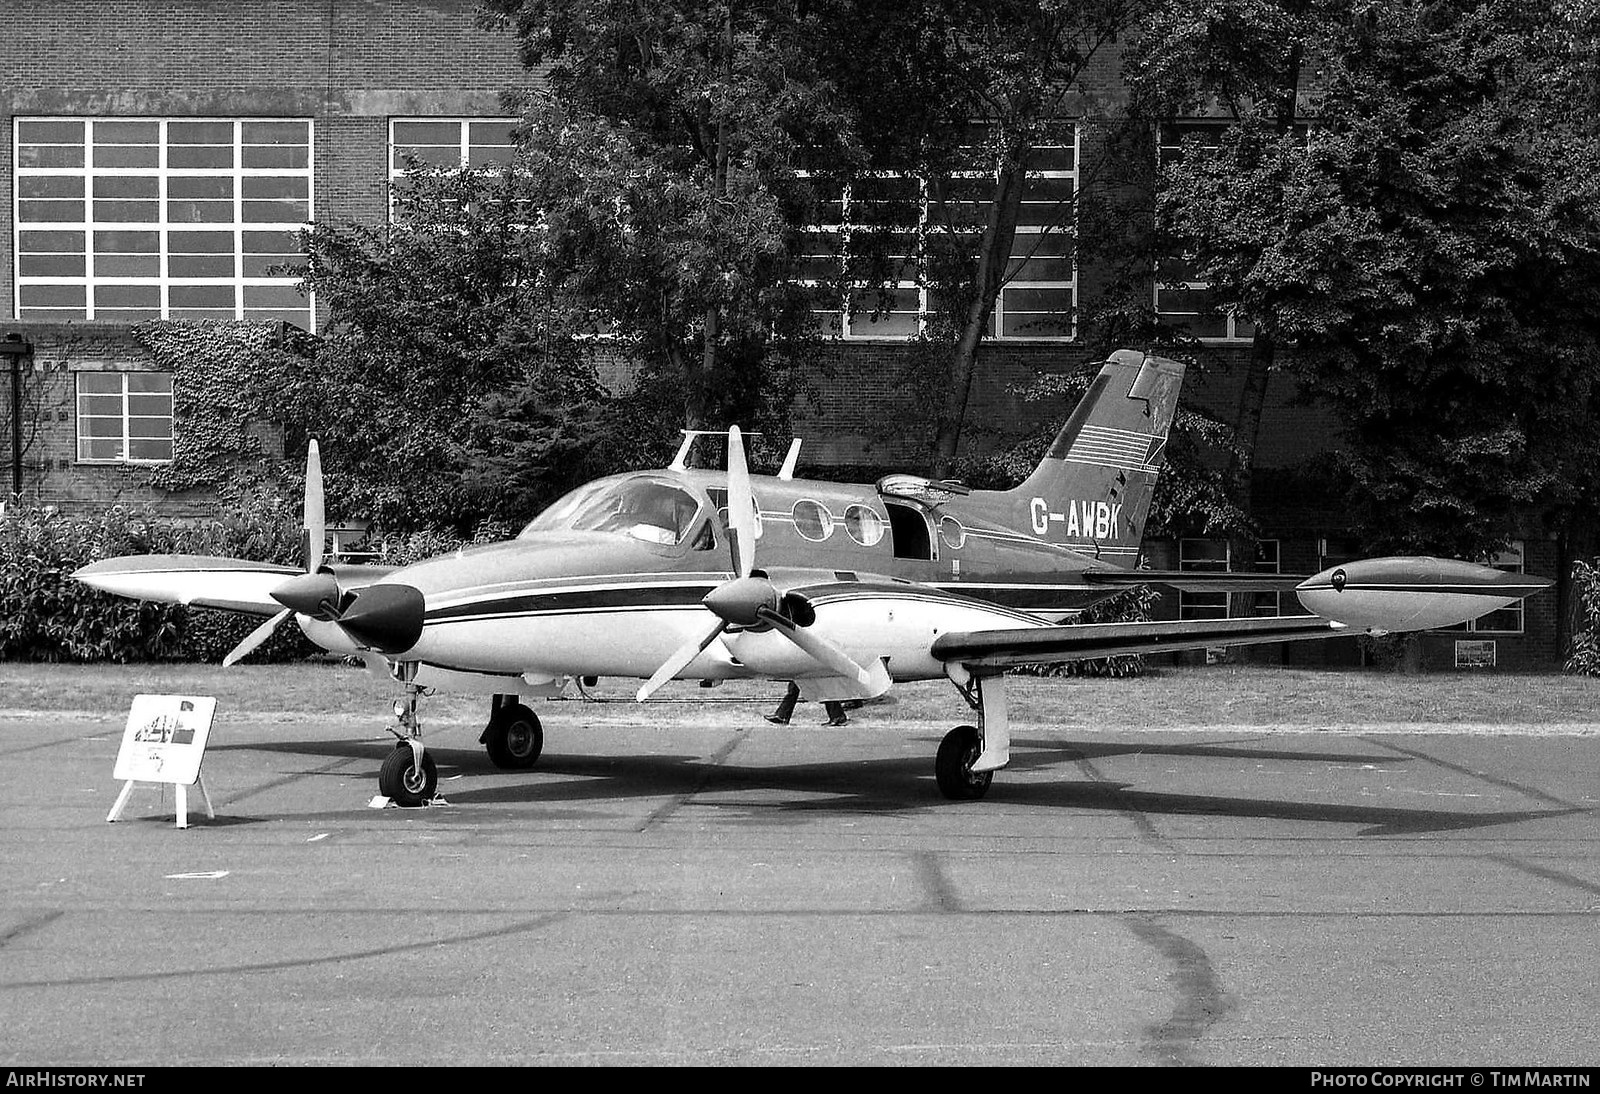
<point x="408" y="776"/>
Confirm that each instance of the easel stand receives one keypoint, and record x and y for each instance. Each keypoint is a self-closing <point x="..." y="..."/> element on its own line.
<point x="164" y="744"/>
<point x="183" y="800"/>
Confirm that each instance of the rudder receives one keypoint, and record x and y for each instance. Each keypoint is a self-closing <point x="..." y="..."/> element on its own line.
<point x="1092" y="490"/>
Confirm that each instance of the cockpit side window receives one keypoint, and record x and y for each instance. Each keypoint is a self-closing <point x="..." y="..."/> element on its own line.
<point x="645" y="509"/>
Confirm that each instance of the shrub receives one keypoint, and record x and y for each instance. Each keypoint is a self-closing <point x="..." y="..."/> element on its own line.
<point x="46" y="616"/>
<point x="1129" y="606"/>
<point x="1583" y="656"/>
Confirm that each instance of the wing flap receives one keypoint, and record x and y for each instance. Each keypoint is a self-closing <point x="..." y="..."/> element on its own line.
<point x="1196" y="581"/>
<point x="1000" y="649"/>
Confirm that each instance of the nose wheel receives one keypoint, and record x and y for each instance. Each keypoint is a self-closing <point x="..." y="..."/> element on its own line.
<point x="406" y="780"/>
<point x="408" y="776"/>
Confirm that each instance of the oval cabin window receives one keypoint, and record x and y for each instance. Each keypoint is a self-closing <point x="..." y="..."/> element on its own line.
<point x="864" y="525"/>
<point x="952" y="533"/>
<point x="812" y="520"/>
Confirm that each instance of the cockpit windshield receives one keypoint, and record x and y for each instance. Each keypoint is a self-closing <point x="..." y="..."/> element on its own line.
<point x="652" y="510"/>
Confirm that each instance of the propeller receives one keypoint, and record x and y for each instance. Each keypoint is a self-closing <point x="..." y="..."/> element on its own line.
<point x="308" y="592"/>
<point x="749" y="600"/>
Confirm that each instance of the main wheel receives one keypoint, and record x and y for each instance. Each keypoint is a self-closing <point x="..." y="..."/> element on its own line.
<point x="952" y="767"/>
<point x="400" y="780"/>
<point x="514" y="737"/>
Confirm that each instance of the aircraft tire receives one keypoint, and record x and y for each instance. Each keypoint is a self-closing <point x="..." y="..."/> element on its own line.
<point x="401" y="782"/>
<point x="952" y="767"/>
<point x="515" y="738"/>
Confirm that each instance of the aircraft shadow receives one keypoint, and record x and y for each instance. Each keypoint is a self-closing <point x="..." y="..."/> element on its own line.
<point x="901" y="784"/>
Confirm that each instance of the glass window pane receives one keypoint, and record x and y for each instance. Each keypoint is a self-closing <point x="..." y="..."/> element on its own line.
<point x="149" y="381"/>
<point x="49" y="265"/>
<point x="127" y="156"/>
<point x="51" y="241"/>
<point x="205" y="132"/>
<point x="201" y="296"/>
<point x="50" y="186"/>
<point x="53" y="296"/>
<point x="200" y="156"/>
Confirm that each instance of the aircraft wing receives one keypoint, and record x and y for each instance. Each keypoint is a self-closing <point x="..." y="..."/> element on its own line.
<point x="1000" y="649"/>
<point x="206" y="581"/>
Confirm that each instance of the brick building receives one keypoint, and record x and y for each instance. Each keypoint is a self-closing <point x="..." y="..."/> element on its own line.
<point x="161" y="154"/>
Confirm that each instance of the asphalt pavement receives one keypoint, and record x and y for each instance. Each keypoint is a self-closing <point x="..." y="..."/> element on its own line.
<point x="724" y="891"/>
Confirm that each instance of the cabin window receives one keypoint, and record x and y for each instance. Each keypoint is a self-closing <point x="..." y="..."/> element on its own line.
<point x="910" y="529"/>
<point x="812" y="520"/>
<point x="952" y="533"/>
<point x="864" y="525"/>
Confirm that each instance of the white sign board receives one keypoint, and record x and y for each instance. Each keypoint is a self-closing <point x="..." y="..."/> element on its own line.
<point x="165" y="739"/>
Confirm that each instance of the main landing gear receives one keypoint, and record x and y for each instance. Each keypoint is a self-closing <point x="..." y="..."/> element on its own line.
<point x="513" y="736"/>
<point x="409" y="777"/>
<point x="969" y="756"/>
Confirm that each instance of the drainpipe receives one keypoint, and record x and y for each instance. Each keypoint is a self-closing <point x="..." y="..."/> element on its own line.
<point x="19" y="350"/>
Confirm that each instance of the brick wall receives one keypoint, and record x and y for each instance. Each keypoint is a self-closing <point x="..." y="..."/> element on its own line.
<point x="348" y="64"/>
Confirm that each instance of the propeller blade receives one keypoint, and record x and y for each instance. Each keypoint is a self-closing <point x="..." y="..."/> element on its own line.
<point x="741" y="506"/>
<point x="819" y="648"/>
<point x="255" y="638"/>
<point x="314" y="524"/>
<point x="679" y="660"/>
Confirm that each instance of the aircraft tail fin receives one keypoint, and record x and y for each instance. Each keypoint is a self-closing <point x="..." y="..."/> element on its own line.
<point x="1092" y="490"/>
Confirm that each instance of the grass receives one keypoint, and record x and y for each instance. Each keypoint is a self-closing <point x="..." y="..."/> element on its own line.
<point x="1242" y="695"/>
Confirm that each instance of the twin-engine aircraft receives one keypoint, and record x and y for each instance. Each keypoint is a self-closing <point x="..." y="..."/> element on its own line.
<point x="841" y="589"/>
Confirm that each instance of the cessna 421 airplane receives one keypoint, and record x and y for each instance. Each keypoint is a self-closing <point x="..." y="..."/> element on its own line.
<point x="655" y="575"/>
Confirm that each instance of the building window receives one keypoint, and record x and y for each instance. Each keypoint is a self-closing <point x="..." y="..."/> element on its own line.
<point x="903" y="222"/>
<point x="124" y="417"/>
<point x="447" y="144"/>
<point x="1215" y="556"/>
<point x="143" y="218"/>
<point x="1507" y="620"/>
<point x="1183" y="301"/>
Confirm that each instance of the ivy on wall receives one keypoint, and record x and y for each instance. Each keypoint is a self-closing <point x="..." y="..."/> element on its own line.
<point x="218" y="432"/>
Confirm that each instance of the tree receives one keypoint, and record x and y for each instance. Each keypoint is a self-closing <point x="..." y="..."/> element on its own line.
<point x="447" y="387"/>
<point x="1428" y="251"/>
<point x="673" y="140"/>
<point x="973" y="98"/>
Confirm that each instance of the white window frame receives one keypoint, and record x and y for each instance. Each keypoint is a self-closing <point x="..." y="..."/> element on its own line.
<point x="1203" y="605"/>
<point x="88" y="172"/>
<point x="857" y="325"/>
<point x="1512" y="560"/>
<point x="1180" y="319"/>
<point x="464" y="145"/>
<point x="126" y="439"/>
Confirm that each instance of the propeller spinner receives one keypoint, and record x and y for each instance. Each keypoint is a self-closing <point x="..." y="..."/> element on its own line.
<point x="387" y="618"/>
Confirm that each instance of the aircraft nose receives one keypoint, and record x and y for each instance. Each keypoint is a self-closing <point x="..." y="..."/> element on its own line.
<point x="386" y="617"/>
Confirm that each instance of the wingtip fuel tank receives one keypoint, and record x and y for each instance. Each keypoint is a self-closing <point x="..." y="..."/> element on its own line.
<point x="1413" y="593"/>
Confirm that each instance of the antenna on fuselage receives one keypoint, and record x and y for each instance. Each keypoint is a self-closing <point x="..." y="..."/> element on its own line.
<point x="680" y="462"/>
<point x="787" y="470"/>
